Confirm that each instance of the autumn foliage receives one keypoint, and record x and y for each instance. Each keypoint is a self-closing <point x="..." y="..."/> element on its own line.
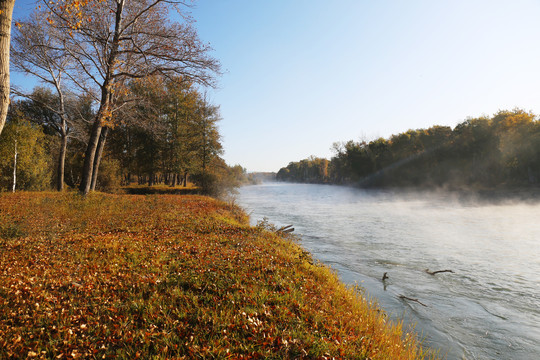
<point x="498" y="152"/>
<point x="168" y="276"/>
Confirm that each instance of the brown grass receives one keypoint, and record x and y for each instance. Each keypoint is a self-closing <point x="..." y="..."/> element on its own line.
<point x="172" y="277"/>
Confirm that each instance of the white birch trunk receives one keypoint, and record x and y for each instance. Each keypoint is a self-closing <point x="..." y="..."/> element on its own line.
<point x="15" y="168"/>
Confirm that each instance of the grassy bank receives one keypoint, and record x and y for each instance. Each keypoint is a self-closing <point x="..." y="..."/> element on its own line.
<point x="168" y="276"/>
<point x="133" y="189"/>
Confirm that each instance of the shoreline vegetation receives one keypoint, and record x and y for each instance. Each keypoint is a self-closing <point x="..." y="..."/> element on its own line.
<point x="488" y="156"/>
<point x="171" y="277"/>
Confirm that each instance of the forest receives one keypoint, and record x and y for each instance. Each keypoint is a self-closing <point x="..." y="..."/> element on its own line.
<point x="170" y="138"/>
<point x="479" y="153"/>
<point x="121" y="99"/>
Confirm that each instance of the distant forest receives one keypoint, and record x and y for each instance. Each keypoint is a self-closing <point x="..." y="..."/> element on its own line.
<point x="484" y="152"/>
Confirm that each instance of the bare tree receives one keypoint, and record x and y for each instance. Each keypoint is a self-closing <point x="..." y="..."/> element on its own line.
<point x="6" y="13"/>
<point x="116" y="40"/>
<point x="37" y="49"/>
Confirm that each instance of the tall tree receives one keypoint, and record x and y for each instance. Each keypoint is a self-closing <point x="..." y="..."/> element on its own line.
<point x="42" y="108"/>
<point x="206" y="134"/>
<point x="181" y="110"/>
<point x="116" y="40"/>
<point x="6" y="13"/>
<point x="171" y="130"/>
<point x="37" y="49"/>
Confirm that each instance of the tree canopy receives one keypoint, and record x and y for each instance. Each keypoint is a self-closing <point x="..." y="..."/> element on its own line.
<point x="123" y="70"/>
<point x="120" y="72"/>
<point x="502" y="150"/>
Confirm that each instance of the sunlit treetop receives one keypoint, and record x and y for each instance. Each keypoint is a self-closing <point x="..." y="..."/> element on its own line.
<point x="69" y="9"/>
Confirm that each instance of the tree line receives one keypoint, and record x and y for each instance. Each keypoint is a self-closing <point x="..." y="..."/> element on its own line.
<point x="483" y="152"/>
<point x="115" y="72"/>
<point x="169" y="138"/>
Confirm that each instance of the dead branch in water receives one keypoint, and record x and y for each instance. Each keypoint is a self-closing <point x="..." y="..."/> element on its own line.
<point x="285" y="229"/>
<point x="411" y="299"/>
<point x="438" y="271"/>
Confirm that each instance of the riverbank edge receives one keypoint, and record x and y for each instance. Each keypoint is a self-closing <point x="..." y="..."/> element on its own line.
<point x="184" y="275"/>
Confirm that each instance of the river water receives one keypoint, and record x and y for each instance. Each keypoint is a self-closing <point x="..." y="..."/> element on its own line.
<point x="488" y="308"/>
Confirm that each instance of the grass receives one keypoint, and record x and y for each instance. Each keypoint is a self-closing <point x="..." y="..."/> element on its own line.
<point x="172" y="277"/>
<point x="161" y="189"/>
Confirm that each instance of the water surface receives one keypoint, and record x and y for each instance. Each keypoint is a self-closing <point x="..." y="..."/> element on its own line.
<point x="488" y="308"/>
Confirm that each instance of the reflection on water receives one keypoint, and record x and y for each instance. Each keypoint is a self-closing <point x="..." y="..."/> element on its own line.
<point x="488" y="308"/>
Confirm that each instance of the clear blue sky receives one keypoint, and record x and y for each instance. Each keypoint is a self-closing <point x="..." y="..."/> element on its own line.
<point x="302" y="74"/>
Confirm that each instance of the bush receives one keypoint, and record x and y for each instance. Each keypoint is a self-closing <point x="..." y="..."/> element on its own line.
<point x="109" y="175"/>
<point x="33" y="161"/>
<point x="207" y="182"/>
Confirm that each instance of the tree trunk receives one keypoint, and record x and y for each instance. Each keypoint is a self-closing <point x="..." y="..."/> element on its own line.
<point x="93" y="141"/>
<point x="15" y="167"/>
<point x="6" y="13"/>
<point x="97" y="158"/>
<point x="104" y="110"/>
<point x="88" y="167"/>
<point x="61" y="164"/>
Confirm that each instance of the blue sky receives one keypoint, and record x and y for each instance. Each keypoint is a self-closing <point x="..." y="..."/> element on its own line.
<point x="302" y="74"/>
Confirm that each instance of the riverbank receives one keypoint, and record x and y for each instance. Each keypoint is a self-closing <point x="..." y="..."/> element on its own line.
<point x="119" y="276"/>
<point x="492" y="249"/>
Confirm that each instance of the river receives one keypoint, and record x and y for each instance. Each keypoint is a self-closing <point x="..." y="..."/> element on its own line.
<point x="487" y="308"/>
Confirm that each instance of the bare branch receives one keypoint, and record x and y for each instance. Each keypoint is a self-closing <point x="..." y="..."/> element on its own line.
<point x="411" y="299"/>
<point x="438" y="271"/>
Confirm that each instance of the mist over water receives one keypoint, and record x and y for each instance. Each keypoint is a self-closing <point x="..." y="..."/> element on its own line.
<point x="488" y="308"/>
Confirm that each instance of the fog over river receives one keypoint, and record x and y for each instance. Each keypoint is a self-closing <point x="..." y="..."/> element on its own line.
<point x="488" y="308"/>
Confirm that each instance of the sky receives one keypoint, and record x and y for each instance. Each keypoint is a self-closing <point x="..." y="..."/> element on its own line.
<point x="300" y="75"/>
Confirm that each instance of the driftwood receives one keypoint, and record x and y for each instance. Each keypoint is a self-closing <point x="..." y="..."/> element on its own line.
<point x="411" y="299"/>
<point x="285" y="229"/>
<point x="438" y="271"/>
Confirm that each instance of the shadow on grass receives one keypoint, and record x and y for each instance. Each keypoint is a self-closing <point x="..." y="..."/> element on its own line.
<point x="160" y="190"/>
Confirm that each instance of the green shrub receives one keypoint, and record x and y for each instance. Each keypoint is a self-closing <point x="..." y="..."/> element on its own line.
<point x="109" y="175"/>
<point x="33" y="161"/>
